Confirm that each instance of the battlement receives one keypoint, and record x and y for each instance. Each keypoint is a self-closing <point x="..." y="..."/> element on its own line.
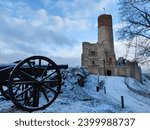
<point x="104" y="20"/>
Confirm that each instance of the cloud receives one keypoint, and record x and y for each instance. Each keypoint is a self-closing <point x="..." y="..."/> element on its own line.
<point x="31" y="34"/>
<point x="48" y="27"/>
<point x="71" y="61"/>
<point x="79" y="13"/>
<point x="120" y="49"/>
<point x="76" y="9"/>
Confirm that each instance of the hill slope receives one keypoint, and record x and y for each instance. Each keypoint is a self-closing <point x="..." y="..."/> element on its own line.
<point x="81" y="96"/>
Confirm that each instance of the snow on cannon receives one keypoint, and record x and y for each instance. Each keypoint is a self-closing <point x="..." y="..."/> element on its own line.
<point x="31" y="84"/>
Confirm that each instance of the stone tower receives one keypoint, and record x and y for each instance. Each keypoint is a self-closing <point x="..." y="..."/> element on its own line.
<point x="105" y="38"/>
<point x="98" y="57"/>
<point x="105" y="33"/>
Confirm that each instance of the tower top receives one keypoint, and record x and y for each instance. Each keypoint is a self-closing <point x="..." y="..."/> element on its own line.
<point x="104" y="20"/>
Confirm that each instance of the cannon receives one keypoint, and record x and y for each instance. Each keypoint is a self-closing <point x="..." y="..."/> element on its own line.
<point x="31" y="84"/>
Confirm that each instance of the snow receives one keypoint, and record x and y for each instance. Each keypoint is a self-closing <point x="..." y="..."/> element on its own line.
<point x="146" y="81"/>
<point x="75" y="98"/>
<point x="117" y="88"/>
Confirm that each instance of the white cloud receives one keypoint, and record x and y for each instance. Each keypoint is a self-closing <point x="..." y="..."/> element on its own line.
<point x="83" y="8"/>
<point x="30" y="35"/>
<point x="40" y="18"/>
<point x="80" y="12"/>
<point x="118" y="26"/>
<point x="54" y="29"/>
<point x="120" y="49"/>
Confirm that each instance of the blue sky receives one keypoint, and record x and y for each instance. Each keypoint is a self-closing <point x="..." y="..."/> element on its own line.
<point x="52" y="28"/>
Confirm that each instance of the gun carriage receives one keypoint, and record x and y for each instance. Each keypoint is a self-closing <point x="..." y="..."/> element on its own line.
<point x="31" y="84"/>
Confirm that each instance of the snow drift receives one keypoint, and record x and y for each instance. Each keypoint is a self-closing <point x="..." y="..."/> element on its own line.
<point x="78" y="94"/>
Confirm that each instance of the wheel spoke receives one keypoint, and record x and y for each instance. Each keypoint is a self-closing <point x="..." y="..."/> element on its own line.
<point x="23" y="92"/>
<point x="54" y="91"/>
<point x="24" y="82"/>
<point x="45" y="70"/>
<point x="29" y="63"/>
<point x="35" y="96"/>
<point x="27" y="75"/>
<point x="48" y="75"/>
<point x="29" y="98"/>
<point x="32" y="67"/>
<point x="39" y="68"/>
<point x="45" y="95"/>
<point x="17" y="89"/>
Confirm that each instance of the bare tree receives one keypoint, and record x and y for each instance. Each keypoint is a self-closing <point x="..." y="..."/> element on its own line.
<point x="135" y="19"/>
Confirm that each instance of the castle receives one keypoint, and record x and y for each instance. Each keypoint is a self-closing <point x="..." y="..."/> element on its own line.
<point x="99" y="58"/>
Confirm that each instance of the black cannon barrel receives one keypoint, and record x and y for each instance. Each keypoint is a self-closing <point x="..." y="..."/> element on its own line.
<point x="62" y="66"/>
<point x="5" y="72"/>
<point x="59" y="67"/>
<point x="44" y="66"/>
<point x="5" y="66"/>
<point x="6" y="69"/>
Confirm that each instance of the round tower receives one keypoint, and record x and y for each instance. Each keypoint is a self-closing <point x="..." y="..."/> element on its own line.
<point x="105" y="40"/>
<point x="105" y="32"/>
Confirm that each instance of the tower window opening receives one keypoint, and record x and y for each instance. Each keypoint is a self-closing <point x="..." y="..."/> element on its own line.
<point x="110" y="61"/>
<point x="93" y="53"/>
<point x="93" y="62"/>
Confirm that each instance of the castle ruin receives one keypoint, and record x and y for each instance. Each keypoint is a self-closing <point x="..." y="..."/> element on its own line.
<point x="99" y="58"/>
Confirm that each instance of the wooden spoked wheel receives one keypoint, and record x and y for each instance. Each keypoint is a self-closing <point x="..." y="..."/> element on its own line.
<point x="34" y="83"/>
<point x="4" y="91"/>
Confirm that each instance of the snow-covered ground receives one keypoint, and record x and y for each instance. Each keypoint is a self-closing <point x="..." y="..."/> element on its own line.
<point x="75" y="98"/>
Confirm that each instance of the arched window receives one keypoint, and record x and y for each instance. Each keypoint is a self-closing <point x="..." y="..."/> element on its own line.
<point x="93" y="53"/>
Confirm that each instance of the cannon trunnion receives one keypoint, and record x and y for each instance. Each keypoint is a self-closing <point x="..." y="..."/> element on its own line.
<point x="32" y="84"/>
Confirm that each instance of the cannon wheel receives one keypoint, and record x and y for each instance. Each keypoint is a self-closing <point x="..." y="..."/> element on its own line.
<point x="34" y="83"/>
<point x="4" y="91"/>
